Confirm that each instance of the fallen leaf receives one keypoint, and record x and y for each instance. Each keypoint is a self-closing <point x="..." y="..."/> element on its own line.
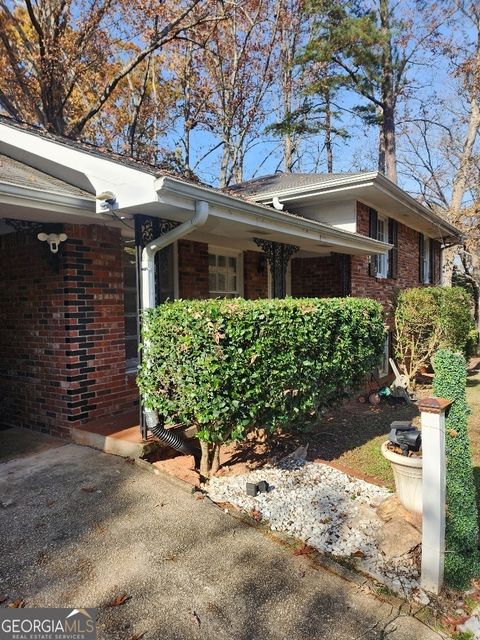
<point x="17" y="604"/>
<point x="50" y="503"/>
<point x="88" y="488"/>
<point x="129" y="460"/>
<point x="196" y="618"/>
<point x="358" y="554"/>
<point x="137" y="636"/>
<point x="304" y="550"/>
<point x="453" y="622"/>
<point x="119" y="600"/>
<point x="3" y="598"/>
<point x="256" y="515"/>
<point x="170" y="558"/>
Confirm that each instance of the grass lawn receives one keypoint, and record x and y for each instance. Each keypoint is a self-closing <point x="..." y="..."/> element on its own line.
<point x="351" y="435"/>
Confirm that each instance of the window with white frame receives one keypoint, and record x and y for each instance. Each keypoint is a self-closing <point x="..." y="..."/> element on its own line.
<point x="383" y="367"/>
<point x="224" y="279"/>
<point x="382" y="235"/>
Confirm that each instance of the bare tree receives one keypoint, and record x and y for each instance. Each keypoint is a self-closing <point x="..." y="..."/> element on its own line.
<point x="61" y="69"/>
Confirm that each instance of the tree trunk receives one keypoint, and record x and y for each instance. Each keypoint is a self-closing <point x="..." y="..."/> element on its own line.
<point x="215" y="459"/>
<point x="449" y="254"/>
<point x="460" y="180"/>
<point x="288" y="152"/>
<point x="205" y="459"/>
<point x="388" y="130"/>
<point x="328" y="132"/>
<point x="388" y="96"/>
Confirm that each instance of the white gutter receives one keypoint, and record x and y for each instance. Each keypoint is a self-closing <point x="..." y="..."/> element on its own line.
<point x="149" y="252"/>
<point x="306" y="226"/>
<point x="373" y="178"/>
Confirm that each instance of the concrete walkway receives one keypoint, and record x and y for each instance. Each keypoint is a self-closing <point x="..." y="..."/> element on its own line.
<point x="79" y="528"/>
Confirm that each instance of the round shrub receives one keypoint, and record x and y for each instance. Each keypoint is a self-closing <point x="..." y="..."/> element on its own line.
<point x="229" y="365"/>
<point x="461" y="534"/>
<point x="428" y="319"/>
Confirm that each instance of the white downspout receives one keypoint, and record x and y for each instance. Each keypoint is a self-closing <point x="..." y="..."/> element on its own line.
<point x="147" y="296"/>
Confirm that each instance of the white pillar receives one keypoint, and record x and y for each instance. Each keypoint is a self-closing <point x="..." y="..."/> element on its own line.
<point x="433" y="492"/>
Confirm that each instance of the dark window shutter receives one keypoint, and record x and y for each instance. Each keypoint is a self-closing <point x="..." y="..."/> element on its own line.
<point x="393" y="253"/>
<point x="421" y="255"/>
<point x="372" y="232"/>
<point x="433" y="272"/>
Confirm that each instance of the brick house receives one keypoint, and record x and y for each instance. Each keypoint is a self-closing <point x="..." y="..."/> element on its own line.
<point x="134" y="234"/>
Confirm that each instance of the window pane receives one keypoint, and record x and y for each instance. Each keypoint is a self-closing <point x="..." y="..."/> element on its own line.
<point x="232" y="283"/>
<point x="211" y="259"/>
<point x="129" y="268"/>
<point x="130" y="301"/>
<point x="131" y="326"/>
<point x="232" y="263"/>
<point x="221" y="282"/>
<point x="131" y="349"/>
<point x="221" y="261"/>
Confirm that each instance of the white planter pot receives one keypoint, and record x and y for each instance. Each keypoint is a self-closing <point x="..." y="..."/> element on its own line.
<point x="408" y="478"/>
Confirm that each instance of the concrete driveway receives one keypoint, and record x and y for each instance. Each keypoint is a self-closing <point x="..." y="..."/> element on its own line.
<point x="79" y="528"/>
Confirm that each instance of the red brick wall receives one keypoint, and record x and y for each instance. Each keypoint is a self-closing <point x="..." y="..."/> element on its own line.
<point x="62" y="341"/>
<point x="317" y="277"/>
<point x="384" y="289"/>
<point x="255" y="281"/>
<point x="193" y="269"/>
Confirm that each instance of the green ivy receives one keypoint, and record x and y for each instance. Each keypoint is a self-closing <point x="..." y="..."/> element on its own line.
<point x="461" y="558"/>
<point x="229" y="365"/>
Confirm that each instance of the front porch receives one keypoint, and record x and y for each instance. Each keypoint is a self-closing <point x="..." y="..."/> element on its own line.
<point x="69" y="311"/>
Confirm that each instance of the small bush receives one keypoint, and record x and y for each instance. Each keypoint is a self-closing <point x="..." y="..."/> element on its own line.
<point x="230" y="365"/>
<point x="461" y="535"/>
<point x="428" y="319"/>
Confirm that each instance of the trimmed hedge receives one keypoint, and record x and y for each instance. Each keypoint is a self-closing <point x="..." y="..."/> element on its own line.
<point x="230" y="365"/>
<point x="461" y="535"/>
<point x="428" y="319"/>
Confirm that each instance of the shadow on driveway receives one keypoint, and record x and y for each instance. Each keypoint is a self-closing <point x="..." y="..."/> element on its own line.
<point x="84" y="527"/>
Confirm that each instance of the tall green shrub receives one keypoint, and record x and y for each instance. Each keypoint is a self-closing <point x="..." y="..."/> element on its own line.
<point x="428" y="319"/>
<point x="461" y="558"/>
<point x="230" y="365"/>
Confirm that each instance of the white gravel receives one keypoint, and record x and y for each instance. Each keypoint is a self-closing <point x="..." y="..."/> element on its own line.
<point x="326" y="509"/>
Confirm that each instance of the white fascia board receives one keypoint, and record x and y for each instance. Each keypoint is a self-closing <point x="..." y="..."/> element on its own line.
<point x="46" y="200"/>
<point x="132" y="187"/>
<point x="394" y="191"/>
<point x="231" y="208"/>
<point x="375" y="179"/>
<point x="307" y="191"/>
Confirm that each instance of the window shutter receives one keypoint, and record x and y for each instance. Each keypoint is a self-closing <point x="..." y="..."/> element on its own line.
<point x="421" y="255"/>
<point x="372" y="232"/>
<point x="393" y="253"/>
<point x="433" y="255"/>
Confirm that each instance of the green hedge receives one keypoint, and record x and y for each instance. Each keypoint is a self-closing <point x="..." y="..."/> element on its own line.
<point x="461" y="558"/>
<point x="428" y="319"/>
<point x="229" y="365"/>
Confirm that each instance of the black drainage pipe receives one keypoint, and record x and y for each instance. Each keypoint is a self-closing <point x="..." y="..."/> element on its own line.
<point x="168" y="437"/>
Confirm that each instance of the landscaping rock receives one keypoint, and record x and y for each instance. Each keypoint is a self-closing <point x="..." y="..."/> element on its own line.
<point x="392" y="508"/>
<point x="397" y="538"/>
<point x="332" y="512"/>
<point x="471" y="625"/>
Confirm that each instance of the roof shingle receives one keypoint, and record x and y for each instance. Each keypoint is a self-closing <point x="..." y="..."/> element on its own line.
<point x="20" y="174"/>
